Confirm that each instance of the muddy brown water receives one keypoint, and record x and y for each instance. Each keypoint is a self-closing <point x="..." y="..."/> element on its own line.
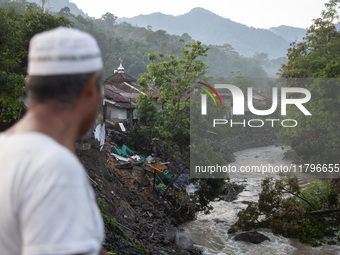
<point x="210" y="232"/>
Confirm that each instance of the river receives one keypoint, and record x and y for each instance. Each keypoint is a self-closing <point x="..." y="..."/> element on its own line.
<point x="210" y="232"/>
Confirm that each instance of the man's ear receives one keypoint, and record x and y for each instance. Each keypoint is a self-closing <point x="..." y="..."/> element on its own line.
<point x="90" y="90"/>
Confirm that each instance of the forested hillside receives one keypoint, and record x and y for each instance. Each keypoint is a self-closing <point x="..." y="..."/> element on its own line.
<point x="210" y="28"/>
<point x="222" y="60"/>
<point x="21" y="20"/>
<point x="132" y="44"/>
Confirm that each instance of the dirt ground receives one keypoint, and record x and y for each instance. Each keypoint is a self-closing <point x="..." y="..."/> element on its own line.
<point x="142" y="215"/>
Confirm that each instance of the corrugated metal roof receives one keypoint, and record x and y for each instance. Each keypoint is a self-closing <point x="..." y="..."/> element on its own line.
<point x="119" y="100"/>
<point x="123" y="89"/>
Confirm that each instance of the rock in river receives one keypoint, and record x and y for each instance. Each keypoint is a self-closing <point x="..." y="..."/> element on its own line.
<point x="251" y="237"/>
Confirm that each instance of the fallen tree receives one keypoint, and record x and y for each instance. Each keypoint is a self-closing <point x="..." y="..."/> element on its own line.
<point x="309" y="213"/>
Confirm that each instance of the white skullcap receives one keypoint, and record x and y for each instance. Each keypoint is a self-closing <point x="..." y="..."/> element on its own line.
<point x="63" y="51"/>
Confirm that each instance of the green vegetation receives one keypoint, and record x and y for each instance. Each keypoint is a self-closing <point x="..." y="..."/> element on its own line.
<point x="173" y="79"/>
<point x="316" y="139"/>
<point x="18" y="23"/>
<point x="169" y="129"/>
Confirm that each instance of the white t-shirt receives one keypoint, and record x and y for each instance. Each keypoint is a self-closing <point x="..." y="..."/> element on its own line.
<point x="47" y="205"/>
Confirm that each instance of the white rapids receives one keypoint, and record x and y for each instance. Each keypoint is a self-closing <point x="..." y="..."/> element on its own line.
<point x="210" y="232"/>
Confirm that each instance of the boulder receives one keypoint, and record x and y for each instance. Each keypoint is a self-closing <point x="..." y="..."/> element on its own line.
<point x="184" y="242"/>
<point x="251" y="237"/>
<point x="170" y="235"/>
<point x="231" y="191"/>
<point x="331" y="242"/>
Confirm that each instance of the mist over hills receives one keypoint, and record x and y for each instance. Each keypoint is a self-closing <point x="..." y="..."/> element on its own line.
<point x="290" y="34"/>
<point x="210" y="28"/>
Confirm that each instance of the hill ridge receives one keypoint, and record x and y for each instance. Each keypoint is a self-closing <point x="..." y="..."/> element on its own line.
<point x="210" y="28"/>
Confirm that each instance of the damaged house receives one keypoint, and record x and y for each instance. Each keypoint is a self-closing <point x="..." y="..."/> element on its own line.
<point x="121" y="92"/>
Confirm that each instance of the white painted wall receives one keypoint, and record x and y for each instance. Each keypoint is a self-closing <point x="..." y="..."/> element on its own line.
<point x="114" y="113"/>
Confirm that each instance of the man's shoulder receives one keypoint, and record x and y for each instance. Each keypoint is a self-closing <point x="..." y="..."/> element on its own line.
<point x="39" y="153"/>
<point x="56" y="157"/>
<point x="27" y="140"/>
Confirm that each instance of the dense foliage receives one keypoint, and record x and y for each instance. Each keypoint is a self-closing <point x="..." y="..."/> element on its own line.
<point x="316" y="139"/>
<point x="169" y="129"/>
<point x="18" y="23"/>
<point x="173" y="78"/>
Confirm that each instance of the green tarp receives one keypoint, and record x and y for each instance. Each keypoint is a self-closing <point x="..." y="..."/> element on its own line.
<point x="124" y="151"/>
<point x="164" y="175"/>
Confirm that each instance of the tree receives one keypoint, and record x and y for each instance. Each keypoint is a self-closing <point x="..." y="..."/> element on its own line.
<point x="17" y="26"/>
<point x="318" y="55"/>
<point x="11" y="79"/>
<point x="169" y="129"/>
<point x="173" y="78"/>
<point x="148" y="114"/>
<point x="316" y="138"/>
<point x="66" y="12"/>
<point x="109" y="19"/>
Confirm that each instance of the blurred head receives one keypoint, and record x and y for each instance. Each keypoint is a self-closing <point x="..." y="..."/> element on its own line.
<point x="63" y="51"/>
<point x="64" y="89"/>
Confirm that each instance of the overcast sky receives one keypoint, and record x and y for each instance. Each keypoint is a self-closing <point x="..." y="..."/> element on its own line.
<point x="255" y="13"/>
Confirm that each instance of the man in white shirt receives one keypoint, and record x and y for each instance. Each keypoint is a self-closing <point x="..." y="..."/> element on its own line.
<point x="47" y="203"/>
